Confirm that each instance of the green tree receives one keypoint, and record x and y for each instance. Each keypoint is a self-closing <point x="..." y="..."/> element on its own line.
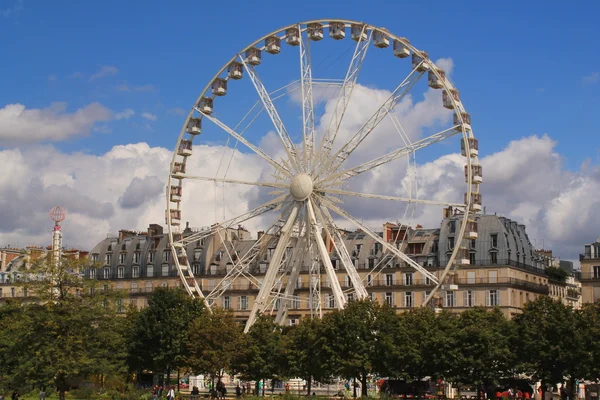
<point x="484" y="348"/>
<point x="214" y="341"/>
<point x="428" y="345"/>
<point x="304" y="353"/>
<point x="548" y="344"/>
<point x="158" y="336"/>
<point x="262" y="357"/>
<point x="351" y="340"/>
<point x="69" y="334"/>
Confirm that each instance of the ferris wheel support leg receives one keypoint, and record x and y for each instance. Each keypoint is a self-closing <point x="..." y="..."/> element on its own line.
<point x="297" y="262"/>
<point x="338" y="294"/>
<point x="340" y="247"/>
<point x="261" y="299"/>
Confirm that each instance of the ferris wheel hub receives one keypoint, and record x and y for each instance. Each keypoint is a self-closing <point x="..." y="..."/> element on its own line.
<point x="301" y="187"/>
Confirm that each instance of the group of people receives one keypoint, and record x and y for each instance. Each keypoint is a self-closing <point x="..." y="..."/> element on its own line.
<point x="157" y="392"/>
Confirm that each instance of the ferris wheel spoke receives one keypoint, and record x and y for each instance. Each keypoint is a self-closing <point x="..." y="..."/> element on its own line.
<point x="297" y="262"/>
<point x="324" y="254"/>
<point x="386" y="108"/>
<point x="345" y="94"/>
<point x="279" y="185"/>
<point x="376" y="237"/>
<point x="261" y="299"/>
<point x="260" y="210"/>
<point x="333" y="233"/>
<point x="391" y="156"/>
<point x="308" y="109"/>
<point x="287" y="142"/>
<point x="252" y="147"/>
<point x="393" y="198"/>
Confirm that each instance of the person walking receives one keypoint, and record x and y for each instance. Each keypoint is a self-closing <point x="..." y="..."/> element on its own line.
<point x="42" y="394"/>
<point x="171" y="394"/>
<point x="15" y="395"/>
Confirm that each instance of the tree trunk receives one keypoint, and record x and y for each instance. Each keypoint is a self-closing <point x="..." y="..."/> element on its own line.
<point x="308" y="385"/>
<point x="573" y="388"/>
<point x="263" y="387"/>
<point x="256" y="387"/>
<point x="178" y="379"/>
<point x="363" y="384"/>
<point x="354" y="387"/>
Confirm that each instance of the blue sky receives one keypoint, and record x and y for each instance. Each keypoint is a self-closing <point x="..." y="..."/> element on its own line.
<point x="522" y="68"/>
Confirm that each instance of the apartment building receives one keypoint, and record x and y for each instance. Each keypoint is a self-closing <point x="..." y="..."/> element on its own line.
<point x="590" y="272"/>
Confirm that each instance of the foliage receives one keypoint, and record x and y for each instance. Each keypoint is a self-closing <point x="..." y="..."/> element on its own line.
<point x="68" y="335"/>
<point x="351" y="340"/>
<point x="484" y="353"/>
<point x="262" y="357"/>
<point x="556" y="274"/>
<point x="548" y="341"/>
<point x="159" y="333"/>
<point x="304" y="355"/>
<point x="214" y="340"/>
<point x="589" y="329"/>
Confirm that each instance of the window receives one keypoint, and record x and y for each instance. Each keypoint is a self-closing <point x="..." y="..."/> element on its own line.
<point x="494" y="257"/>
<point x="92" y="273"/>
<point x="106" y="273"/>
<point x="94" y="258"/>
<point x="493" y="276"/>
<point x="357" y="248"/>
<point x="470" y="278"/>
<point x="427" y="280"/>
<point x="165" y="270"/>
<point x="371" y="263"/>
<point x="369" y="280"/>
<point x="468" y="300"/>
<point x="226" y="302"/>
<point x="151" y="256"/>
<point x="350" y="296"/>
<point x="298" y="282"/>
<point x="472" y="260"/>
<point x="167" y="256"/>
<point x="347" y="281"/>
<point x="331" y="301"/>
<point x="134" y="287"/>
<point x="473" y="243"/>
<point x="389" y="279"/>
<point x="136" y="257"/>
<point x="494" y="237"/>
<point x="150" y="271"/>
<point x="243" y="303"/>
<point x="12" y="292"/>
<point x="277" y="303"/>
<point x="120" y="306"/>
<point x="596" y="271"/>
<point x="122" y="258"/>
<point x="493" y="298"/>
<point x="372" y="296"/>
<point x="196" y="269"/>
<point x="108" y="259"/>
<point x="408" y="279"/>
<point x="389" y="298"/>
<point x="106" y="288"/>
<point x="450" y="243"/>
<point x="270" y="254"/>
<point x="334" y="263"/>
<point x="449" y="299"/>
<point x="197" y="254"/>
<point x="135" y="272"/>
<point x="452" y="226"/>
<point x="408" y="299"/>
<point x="296" y="302"/>
<point x="262" y="268"/>
<point x="121" y="272"/>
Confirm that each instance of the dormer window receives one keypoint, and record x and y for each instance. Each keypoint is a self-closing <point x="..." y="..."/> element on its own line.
<point x="94" y="258"/>
<point x="167" y="255"/>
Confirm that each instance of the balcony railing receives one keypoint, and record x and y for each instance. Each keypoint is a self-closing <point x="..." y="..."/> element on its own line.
<point x="588" y="256"/>
<point x="590" y="276"/>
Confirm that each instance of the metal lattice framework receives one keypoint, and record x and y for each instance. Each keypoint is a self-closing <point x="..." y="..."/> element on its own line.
<point x="309" y="181"/>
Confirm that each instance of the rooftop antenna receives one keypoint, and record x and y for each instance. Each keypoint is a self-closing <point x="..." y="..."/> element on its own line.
<point x="58" y="215"/>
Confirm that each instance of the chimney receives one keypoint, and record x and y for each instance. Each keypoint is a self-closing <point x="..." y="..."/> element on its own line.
<point x="260" y="234"/>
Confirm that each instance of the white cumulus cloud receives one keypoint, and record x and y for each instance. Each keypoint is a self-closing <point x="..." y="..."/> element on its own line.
<point x="149" y="116"/>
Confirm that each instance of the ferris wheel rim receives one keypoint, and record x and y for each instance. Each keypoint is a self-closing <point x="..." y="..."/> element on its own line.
<point x="303" y="26"/>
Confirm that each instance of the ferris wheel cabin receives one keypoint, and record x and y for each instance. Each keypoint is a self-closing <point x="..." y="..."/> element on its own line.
<point x="178" y="170"/>
<point x="420" y="63"/>
<point x="253" y="56"/>
<point x="205" y="105"/>
<point x="175" y="193"/>
<point x="447" y="98"/>
<point x="358" y="32"/>
<point x="475" y="201"/>
<point x="337" y="30"/>
<point x="381" y="39"/>
<point x="400" y="49"/>
<point x="433" y="81"/>
<point x="273" y="45"/>
<point x="473" y="147"/>
<point x="292" y="36"/>
<point x="476" y="173"/>
<point x="315" y="31"/>
<point x="194" y="127"/>
<point x="235" y="70"/>
<point x="219" y="87"/>
<point x="185" y="148"/>
<point x="471" y="232"/>
<point x="462" y="257"/>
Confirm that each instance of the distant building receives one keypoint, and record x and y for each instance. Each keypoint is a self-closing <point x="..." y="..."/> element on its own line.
<point x="590" y="272"/>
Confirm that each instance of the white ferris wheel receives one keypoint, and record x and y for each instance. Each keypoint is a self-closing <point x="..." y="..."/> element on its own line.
<point x="312" y="160"/>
